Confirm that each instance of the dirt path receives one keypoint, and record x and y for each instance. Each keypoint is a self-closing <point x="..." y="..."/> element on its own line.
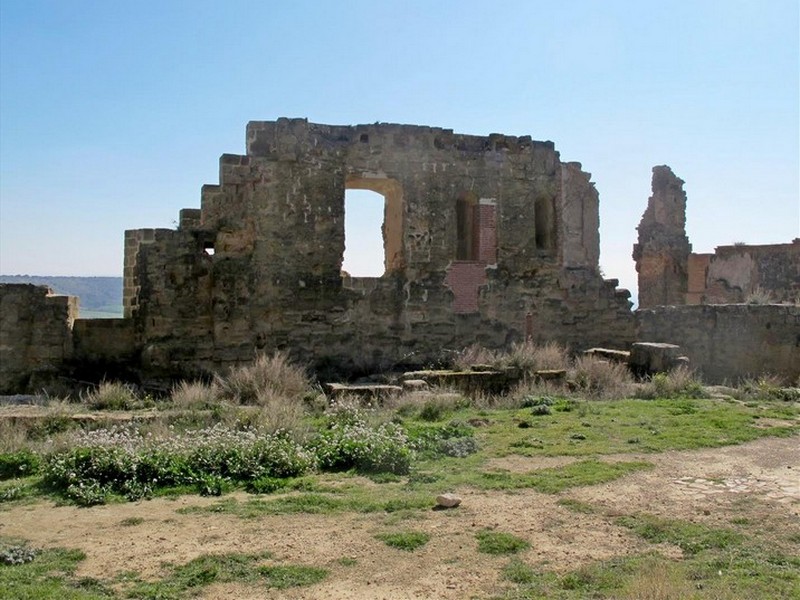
<point x="755" y="479"/>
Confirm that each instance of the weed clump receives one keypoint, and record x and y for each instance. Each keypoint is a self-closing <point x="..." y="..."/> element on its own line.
<point x="601" y="379"/>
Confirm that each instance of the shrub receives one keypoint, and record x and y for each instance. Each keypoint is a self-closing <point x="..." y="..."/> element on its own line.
<point x="18" y="464"/>
<point x="111" y="395"/>
<point x="350" y="442"/>
<point x="122" y="461"/>
<point x="601" y="379"/>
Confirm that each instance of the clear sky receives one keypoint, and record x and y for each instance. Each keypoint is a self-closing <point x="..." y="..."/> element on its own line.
<point x="114" y="113"/>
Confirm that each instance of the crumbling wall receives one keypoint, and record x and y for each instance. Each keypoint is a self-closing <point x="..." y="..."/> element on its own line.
<point x="662" y="251"/>
<point x="35" y="333"/>
<point x="486" y="239"/>
<point x="735" y="272"/>
<point x="726" y="343"/>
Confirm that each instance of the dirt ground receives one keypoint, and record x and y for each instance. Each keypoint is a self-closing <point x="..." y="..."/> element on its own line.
<point x="754" y="480"/>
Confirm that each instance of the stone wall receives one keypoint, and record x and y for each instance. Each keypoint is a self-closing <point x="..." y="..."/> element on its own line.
<point x="733" y="273"/>
<point x="663" y="249"/>
<point x="486" y="240"/>
<point x="35" y="334"/>
<point x="726" y="343"/>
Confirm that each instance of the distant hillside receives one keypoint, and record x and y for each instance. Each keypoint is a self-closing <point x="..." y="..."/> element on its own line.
<point x="100" y="296"/>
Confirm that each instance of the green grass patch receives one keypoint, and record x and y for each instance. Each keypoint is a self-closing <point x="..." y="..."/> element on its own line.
<point x="405" y="540"/>
<point x="577" y="506"/>
<point x="498" y="542"/>
<point x="50" y="575"/>
<point x="187" y="580"/>
<point x="554" y="480"/>
<point x="689" y="537"/>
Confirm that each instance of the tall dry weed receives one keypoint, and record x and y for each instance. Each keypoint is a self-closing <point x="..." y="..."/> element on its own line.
<point x="529" y="357"/>
<point x="601" y="379"/>
<point x="259" y="383"/>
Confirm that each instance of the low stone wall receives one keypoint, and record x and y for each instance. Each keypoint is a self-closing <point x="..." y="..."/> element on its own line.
<point x="35" y="333"/>
<point x="726" y="342"/>
<point x="104" y="340"/>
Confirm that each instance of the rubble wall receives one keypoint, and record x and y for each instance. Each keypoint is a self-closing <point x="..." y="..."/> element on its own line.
<point x="726" y="343"/>
<point x="487" y="240"/>
<point x="35" y="333"/>
<point x="735" y="272"/>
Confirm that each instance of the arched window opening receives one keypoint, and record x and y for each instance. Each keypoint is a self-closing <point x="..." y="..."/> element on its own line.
<point x="363" y="233"/>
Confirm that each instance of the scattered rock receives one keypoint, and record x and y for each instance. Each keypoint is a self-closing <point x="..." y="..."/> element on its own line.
<point x="448" y="500"/>
<point x="620" y="356"/>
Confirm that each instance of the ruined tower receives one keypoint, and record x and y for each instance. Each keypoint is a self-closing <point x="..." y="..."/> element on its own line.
<point x="663" y="250"/>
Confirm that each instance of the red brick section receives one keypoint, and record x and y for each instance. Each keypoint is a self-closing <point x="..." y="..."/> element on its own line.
<point x="487" y="234"/>
<point x="464" y="278"/>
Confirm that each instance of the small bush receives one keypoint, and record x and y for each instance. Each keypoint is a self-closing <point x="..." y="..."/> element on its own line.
<point x="18" y="464"/>
<point x="459" y="447"/>
<point x="17" y="555"/>
<point x="350" y="442"/>
<point x="496" y="542"/>
<point x="111" y="395"/>
<point x="601" y="379"/>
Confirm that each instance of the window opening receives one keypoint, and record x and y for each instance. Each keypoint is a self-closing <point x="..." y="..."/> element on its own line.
<point x="363" y="233"/>
<point x="544" y="217"/>
<point x="466" y="225"/>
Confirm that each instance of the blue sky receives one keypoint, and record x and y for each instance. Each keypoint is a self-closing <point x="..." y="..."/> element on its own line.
<point x="113" y="114"/>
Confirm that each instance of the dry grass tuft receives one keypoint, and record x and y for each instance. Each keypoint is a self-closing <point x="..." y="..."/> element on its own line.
<point x="111" y="395"/>
<point x="680" y="382"/>
<point x="260" y="383"/>
<point x="601" y="379"/>
<point x="194" y="395"/>
<point x="474" y="355"/>
<point x="529" y="357"/>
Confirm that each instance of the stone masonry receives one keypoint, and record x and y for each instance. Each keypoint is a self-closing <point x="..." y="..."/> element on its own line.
<point x="35" y="334"/>
<point x="487" y="240"/>
<point x="662" y="252"/>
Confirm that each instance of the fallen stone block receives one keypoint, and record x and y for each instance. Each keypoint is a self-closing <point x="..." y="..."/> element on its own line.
<point x="447" y="500"/>
<point x="648" y="358"/>
<point x="366" y="392"/>
<point x="620" y="356"/>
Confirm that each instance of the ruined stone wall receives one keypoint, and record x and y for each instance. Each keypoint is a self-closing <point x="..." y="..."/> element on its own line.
<point x="662" y="251"/>
<point x="35" y="333"/>
<point x="734" y="272"/>
<point x="726" y="343"/>
<point x="487" y="240"/>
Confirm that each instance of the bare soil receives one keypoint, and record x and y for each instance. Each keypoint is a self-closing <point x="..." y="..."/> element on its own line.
<point x="759" y="480"/>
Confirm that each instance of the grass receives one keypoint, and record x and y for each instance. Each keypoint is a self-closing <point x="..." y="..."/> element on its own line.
<point x="186" y="580"/>
<point x="500" y="543"/>
<point x="405" y="540"/>
<point x="691" y="538"/>
<point x="49" y="576"/>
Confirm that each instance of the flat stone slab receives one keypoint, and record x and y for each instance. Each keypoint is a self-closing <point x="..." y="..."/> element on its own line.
<point x="620" y="356"/>
<point x="368" y="391"/>
<point x="469" y="382"/>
